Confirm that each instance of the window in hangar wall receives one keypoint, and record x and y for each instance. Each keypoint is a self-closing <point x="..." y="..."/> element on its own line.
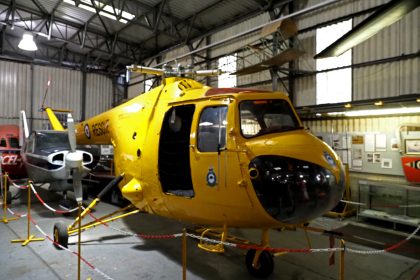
<point x="228" y="65"/>
<point x="333" y="86"/>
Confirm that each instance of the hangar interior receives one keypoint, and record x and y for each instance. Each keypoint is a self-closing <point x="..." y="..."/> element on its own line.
<point x="363" y="103"/>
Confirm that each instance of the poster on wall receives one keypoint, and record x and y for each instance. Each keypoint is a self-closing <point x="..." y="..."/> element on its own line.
<point x="412" y="146"/>
<point x="357" y="162"/>
<point x="394" y="144"/>
<point x="357" y="140"/>
<point x="369" y="142"/>
<point x="380" y="142"/>
<point x="386" y="163"/>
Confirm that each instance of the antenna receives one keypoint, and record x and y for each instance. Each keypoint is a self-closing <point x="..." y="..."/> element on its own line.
<point x="45" y="94"/>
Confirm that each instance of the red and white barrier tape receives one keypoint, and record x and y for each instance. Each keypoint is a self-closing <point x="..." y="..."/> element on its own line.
<point x="256" y="247"/>
<point x="24" y="187"/>
<point x="70" y="251"/>
<point x="16" y="214"/>
<point x="49" y="207"/>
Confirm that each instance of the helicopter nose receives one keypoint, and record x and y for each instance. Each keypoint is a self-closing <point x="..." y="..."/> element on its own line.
<point x="295" y="191"/>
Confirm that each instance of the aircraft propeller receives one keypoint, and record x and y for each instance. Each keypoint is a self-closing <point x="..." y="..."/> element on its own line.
<point x="74" y="160"/>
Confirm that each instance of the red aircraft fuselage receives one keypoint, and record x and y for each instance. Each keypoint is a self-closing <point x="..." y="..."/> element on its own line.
<point x="11" y="161"/>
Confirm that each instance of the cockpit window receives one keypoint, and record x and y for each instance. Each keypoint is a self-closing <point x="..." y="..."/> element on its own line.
<point x="266" y="116"/>
<point x="14" y="142"/>
<point x="212" y="129"/>
<point x="51" y="141"/>
<point x="3" y="142"/>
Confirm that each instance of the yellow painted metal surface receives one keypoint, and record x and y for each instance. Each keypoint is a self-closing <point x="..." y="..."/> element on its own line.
<point x="134" y="129"/>
<point x="55" y="123"/>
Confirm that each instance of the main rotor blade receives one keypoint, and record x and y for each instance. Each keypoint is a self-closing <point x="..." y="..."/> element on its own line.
<point x="71" y="132"/>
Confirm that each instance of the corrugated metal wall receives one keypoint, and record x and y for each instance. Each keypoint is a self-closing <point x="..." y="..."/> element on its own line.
<point x="23" y="86"/>
<point x="98" y="94"/>
<point x="64" y="92"/>
<point x="14" y="90"/>
<point x="382" y="124"/>
<point x="231" y="31"/>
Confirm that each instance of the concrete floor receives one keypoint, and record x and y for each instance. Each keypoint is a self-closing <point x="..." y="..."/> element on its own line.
<point x="127" y="257"/>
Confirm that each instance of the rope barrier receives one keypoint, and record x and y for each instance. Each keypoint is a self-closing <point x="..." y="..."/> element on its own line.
<point x="270" y="249"/>
<point x="209" y="240"/>
<point x="24" y="187"/>
<point x="49" y="207"/>
<point x="16" y="214"/>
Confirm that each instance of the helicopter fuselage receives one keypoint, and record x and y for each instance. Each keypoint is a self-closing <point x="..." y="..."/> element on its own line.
<point x="235" y="157"/>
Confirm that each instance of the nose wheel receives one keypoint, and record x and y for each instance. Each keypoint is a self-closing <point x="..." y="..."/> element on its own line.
<point x="61" y="235"/>
<point x="263" y="266"/>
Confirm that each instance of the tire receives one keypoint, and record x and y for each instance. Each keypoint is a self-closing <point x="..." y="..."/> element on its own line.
<point x="61" y="235"/>
<point x="265" y="264"/>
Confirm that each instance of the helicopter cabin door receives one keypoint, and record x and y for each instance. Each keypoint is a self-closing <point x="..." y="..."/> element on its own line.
<point x="174" y="151"/>
<point x="209" y="162"/>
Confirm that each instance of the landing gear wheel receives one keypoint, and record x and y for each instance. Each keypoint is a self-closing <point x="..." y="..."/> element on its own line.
<point x="61" y="235"/>
<point x="9" y="198"/>
<point x="265" y="264"/>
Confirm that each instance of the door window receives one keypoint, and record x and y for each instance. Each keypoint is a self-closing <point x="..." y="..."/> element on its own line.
<point x="212" y="129"/>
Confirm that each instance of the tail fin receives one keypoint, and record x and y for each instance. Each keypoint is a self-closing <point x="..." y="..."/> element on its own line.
<point x="23" y="128"/>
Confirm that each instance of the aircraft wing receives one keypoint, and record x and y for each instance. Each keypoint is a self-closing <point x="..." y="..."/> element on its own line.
<point x="277" y="60"/>
<point x="287" y="28"/>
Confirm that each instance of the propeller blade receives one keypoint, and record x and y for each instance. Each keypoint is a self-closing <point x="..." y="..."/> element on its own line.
<point x="77" y="184"/>
<point x="71" y="132"/>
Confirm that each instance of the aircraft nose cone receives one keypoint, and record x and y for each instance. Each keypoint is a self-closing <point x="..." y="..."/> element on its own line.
<point x="295" y="191"/>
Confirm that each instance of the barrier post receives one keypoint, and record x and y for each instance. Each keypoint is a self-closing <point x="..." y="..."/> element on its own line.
<point x="30" y="236"/>
<point x="184" y="254"/>
<point x="79" y="240"/>
<point x="342" y="253"/>
<point x="5" y="219"/>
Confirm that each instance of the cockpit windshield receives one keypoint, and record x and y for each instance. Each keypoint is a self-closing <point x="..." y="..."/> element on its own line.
<point x="266" y="116"/>
<point x="51" y="141"/>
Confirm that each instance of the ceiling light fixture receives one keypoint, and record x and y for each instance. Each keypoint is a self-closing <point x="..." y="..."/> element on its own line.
<point x="27" y="43"/>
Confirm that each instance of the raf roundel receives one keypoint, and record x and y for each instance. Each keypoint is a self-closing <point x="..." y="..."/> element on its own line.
<point x="87" y="131"/>
<point x="211" y="178"/>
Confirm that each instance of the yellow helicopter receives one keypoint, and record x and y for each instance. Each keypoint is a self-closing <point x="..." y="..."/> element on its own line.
<point x="219" y="157"/>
